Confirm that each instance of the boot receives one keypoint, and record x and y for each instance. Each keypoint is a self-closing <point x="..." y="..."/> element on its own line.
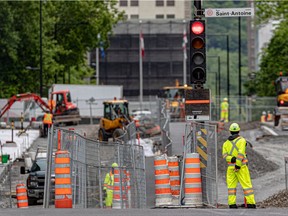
<point x="251" y="206"/>
<point x="233" y="206"/>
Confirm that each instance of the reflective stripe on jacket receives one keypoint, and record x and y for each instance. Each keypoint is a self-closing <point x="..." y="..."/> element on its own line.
<point x="235" y="148"/>
<point x="47" y="119"/>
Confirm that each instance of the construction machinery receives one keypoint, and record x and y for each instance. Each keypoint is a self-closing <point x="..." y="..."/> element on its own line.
<point x="281" y="110"/>
<point x="116" y="117"/>
<point x="175" y="100"/>
<point x="60" y="105"/>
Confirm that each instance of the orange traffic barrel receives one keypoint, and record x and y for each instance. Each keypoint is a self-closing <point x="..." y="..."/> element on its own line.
<point x="117" y="194"/>
<point x="128" y="188"/>
<point x="162" y="181"/>
<point x="63" y="190"/>
<point x="192" y="183"/>
<point x="173" y="166"/>
<point x="22" y="198"/>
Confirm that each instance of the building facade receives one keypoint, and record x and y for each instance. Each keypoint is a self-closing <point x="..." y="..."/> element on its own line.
<point x="162" y="23"/>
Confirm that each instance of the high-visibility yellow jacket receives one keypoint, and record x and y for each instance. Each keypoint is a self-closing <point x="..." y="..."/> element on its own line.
<point x="47" y="118"/>
<point x="109" y="181"/>
<point x="224" y="106"/>
<point x="235" y="146"/>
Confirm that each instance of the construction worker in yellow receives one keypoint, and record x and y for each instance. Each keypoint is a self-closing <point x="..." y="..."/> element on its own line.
<point x="224" y="110"/>
<point x="47" y="122"/>
<point x="108" y="186"/>
<point x="234" y="153"/>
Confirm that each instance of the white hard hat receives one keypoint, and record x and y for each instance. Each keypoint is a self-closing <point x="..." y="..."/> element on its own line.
<point x="263" y="113"/>
<point x="225" y="99"/>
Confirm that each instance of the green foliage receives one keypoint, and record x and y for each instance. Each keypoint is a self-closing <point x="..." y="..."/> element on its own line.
<point x="271" y="10"/>
<point x="274" y="57"/>
<point x="69" y="31"/>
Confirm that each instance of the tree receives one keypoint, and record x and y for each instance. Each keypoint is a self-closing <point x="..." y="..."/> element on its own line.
<point x="273" y="57"/>
<point x="69" y="31"/>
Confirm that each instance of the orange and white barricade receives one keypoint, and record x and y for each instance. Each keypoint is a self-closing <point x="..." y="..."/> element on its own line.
<point x="162" y="181"/>
<point x="117" y="198"/>
<point x="22" y="198"/>
<point x="173" y="166"/>
<point x="63" y="190"/>
<point x="193" y="186"/>
<point x="128" y="188"/>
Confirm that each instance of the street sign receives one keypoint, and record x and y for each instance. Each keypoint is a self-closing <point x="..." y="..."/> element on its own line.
<point x="197" y="105"/>
<point x="229" y="12"/>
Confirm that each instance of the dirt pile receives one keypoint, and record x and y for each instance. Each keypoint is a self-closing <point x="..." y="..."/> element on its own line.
<point x="279" y="200"/>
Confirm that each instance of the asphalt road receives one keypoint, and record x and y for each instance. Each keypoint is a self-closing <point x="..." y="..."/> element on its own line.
<point x="141" y="212"/>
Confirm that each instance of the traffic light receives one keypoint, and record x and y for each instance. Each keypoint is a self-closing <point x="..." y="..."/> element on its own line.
<point x="197" y="52"/>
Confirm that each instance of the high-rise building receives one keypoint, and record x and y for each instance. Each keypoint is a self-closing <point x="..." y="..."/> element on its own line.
<point x="162" y="23"/>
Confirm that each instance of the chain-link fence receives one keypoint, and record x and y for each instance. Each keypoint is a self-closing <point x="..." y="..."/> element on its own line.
<point x="91" y="160"/>
<point x="164" y="120"/>
<point x="245" y="109"/>
<point x="202" y="139"/>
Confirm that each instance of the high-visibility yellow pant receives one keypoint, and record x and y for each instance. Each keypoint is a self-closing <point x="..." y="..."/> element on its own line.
<point x="242" y="176"/>
<point x="224" y="116"/>
<point x="109" y="198"/>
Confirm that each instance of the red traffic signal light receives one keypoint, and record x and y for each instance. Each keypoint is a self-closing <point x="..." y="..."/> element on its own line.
<point x="197" y="27"/>
<point x="197" y="52"/>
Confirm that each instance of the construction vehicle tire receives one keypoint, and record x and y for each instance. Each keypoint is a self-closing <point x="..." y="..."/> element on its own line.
<point x="102" y="135"/>
<point x="118" y="133"/>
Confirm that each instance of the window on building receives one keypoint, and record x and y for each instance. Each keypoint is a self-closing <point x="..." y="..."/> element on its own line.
<point x="170" y="16"/>
<point x="159" y="16"/>
<point x="134" y="16"/>
<point x="171" y="3"/>
<point x="123" y="3"/>
<point x="159" y="3"/>
<point x="134" y="3"/>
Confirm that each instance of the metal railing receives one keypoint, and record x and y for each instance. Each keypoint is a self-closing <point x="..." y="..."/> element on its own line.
<point x="91" y="160"/>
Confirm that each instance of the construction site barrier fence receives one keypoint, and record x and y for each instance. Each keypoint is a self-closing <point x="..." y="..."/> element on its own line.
<point x="164" y="120"/>
<point x="201" y="139"/>
<point x="90" y="160"/>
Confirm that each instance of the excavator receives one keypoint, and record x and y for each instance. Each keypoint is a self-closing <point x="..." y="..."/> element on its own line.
<point x="281" y="110"/>
<point x="175" y="96"/>
<point x="60" y="105"/>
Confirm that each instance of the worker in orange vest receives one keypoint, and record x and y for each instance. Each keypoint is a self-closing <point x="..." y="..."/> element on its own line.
<point x="47" y="122"/>
<point x="264" y="117"/>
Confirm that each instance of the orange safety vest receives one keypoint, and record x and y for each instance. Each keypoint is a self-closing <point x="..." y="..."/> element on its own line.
<point x="47" y="118"/>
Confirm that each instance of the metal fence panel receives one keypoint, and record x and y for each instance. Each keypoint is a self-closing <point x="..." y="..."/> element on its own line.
<point x="202" y="139"/>
<point x="91" y="160"/>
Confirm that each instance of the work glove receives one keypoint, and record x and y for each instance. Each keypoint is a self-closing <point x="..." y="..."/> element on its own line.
<point x="237" y="168"/>
<point x="233" y="160"/>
